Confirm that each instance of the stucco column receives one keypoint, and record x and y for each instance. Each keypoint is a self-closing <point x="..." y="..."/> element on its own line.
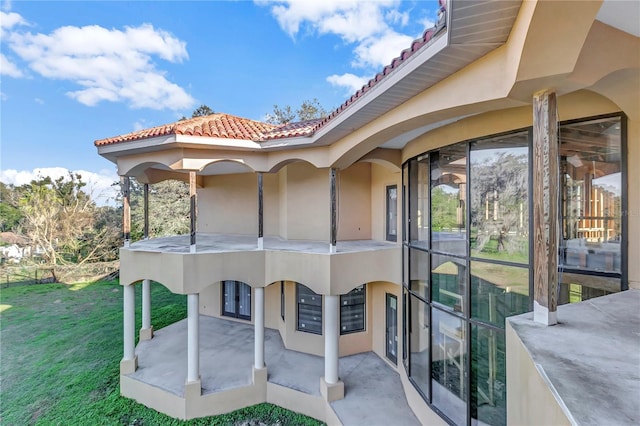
<point x="193" y="338"/>
<point x="126" y="209"/>
<point x="146" y="332"/>
<point x="260" y="213"/>
<point x="193" y="212"/>
<point x="259" y="328"/>
<point x="331" y="337"/>
<point x="129" y="361"/>
<point x="331" y="387"/>
<point x="333" y="214"/>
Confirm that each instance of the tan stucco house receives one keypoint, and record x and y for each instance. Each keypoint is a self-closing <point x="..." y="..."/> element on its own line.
<point x="490" y="170"/>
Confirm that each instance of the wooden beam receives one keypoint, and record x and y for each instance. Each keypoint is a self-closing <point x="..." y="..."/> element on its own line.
<point x="545" y="207"/>
<point x="126" y="209"/>
<point x="260" y="206"/>
<point x="146" y="210"/>
<point x="333" y="210"/>
<point x="193" y="212"/>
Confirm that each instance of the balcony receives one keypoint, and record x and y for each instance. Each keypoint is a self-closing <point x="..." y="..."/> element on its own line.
<point x="221" y="257"/>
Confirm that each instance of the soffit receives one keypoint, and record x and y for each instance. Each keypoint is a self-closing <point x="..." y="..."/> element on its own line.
<point x="474" y="29"/>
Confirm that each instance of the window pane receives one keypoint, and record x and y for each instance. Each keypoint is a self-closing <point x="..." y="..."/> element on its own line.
<point x="448" y="366"/>
<point x="419" y="344"/>
<point x="244" y="301"/>
<point x="488" y="376"/>
<point x="592" y="189"/>
<point x="229" y="289"/>
<point x="499" y="186"/>
<point x="498" y="291"/>
<point x="419" y="202"/>
<point x="448" y="199"/>
<point x="309" y="310"/>
<point x="419" y="278"/>
<point x="392" y="213"/>
<point x="448" y="281"/>
<point x="352" y="310"/>
<point x="405" y="201"/>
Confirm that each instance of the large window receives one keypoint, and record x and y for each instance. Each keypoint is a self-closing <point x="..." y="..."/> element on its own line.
<point x="591" y="208"/>
<point x="352" y="310"/>
<point x="467" y="262"/>
<point x="309" y="310"/>
<point x="236" y="299"/>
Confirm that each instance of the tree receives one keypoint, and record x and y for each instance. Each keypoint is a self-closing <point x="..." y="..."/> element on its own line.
<point x="308" y="110"/>
<point x="59" y="218"/>
<point x="10" y="215"/>
<point x="169" y="209"/>
<point x="201" y="111"/>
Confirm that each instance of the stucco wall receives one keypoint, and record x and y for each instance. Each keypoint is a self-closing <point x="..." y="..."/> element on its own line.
<point x="381" y="177"/>
<point x="229" y="204"/>
<point x="530" y="400"/>
<point x="354" y="202"/>
<point x="307" y="203"/>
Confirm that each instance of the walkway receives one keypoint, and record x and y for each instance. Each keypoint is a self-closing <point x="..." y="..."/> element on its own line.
<point x="374" y="394"/>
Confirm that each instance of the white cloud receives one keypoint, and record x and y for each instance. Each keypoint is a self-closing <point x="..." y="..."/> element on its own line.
<point x="379" y="51"/>
<point x="9" y="20"/>
<point x="98" y="184"/>
<point x="39" y="101"/>
<point x="108" y="64"/>
<point x="3" y="96"/>
<point x="8" y="68"/>
<point x="350" y="82"/>
<point x="372" y="26"/>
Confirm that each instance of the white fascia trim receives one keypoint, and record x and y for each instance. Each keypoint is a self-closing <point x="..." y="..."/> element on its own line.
<point x="144" y="143"/>
<point x="209" y="141"/>
<point x="404" y="69"/>
<point x="288" y="142"/>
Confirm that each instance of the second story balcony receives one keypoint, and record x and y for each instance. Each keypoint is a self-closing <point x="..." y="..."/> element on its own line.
<point x="216" y="257"/>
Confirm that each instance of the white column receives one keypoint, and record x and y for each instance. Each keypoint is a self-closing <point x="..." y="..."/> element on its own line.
<point x="193" y="338"/>
<point x="146" y="304"/>
<point x="259" y="328"/>
<point x="129" y="313"/>
<point x="331" y="338"/>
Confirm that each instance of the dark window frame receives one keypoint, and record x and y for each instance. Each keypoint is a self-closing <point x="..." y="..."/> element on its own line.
<point x="363" y="304"/>
<point x="311" y="294"/>
<point x="237" y="314"/>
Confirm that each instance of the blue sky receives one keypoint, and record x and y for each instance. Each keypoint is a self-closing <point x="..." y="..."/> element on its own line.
<point x="77" y="71"/>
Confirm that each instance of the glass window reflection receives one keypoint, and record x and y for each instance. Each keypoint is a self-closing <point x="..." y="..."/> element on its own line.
<point x="448" y="199"/>
<point x="592" y="195"/>
<point x="499" y="186"/>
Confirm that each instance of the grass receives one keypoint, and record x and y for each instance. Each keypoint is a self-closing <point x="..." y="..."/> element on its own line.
<point x="60" y="351"/>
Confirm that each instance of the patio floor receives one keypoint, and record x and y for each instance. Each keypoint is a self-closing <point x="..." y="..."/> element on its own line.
<point x="211" y="243"/>
<point x="373" y="391"/>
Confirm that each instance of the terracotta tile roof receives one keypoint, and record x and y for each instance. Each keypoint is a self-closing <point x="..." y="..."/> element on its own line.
<point x="215" y="125"/>
<point x="289" y="130"/>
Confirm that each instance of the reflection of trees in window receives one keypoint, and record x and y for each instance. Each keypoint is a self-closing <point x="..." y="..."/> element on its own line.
<point x="499" y="206"/>
<point x="443" y="209"/>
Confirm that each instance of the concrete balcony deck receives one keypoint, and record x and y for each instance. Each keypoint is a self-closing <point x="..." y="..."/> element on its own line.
<point x="585" y="370"/>
<point x="221" y="257"/>
<point x="374" y="393"/>
<point x="218" y="243"/>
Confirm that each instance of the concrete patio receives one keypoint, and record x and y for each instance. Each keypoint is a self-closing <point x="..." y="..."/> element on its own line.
<point x="373" y="390"/>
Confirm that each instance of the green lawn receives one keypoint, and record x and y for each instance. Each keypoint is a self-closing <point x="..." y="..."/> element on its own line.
<point x="60" y="350"/>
